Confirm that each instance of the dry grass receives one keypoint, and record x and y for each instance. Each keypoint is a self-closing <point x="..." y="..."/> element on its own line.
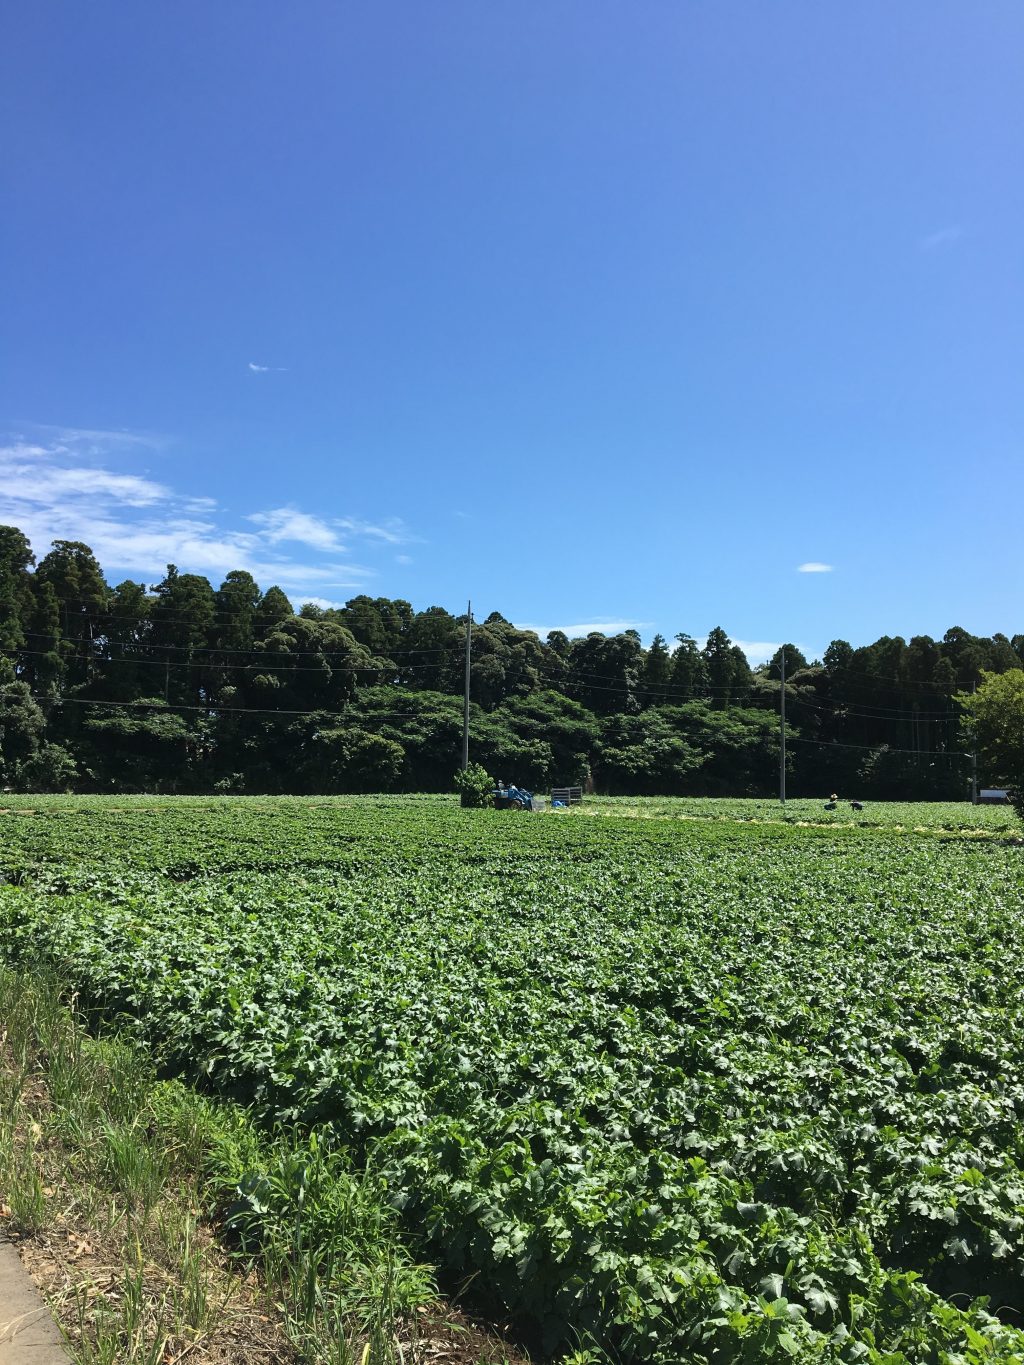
<point x="104" y="1214"/>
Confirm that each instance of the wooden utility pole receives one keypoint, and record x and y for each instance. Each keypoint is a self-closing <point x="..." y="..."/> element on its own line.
<point x="974" y="759"/>
<point x="782" y="730"/>
<point x="465" y="691"/>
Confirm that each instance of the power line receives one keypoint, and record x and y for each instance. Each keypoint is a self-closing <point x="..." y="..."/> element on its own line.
<point x="271" y="664"/>
<point x="868" y="712"/>
<point x="109" y="615"/>
<point x="843" y="674"/>
<point x="890" y="749"/>
<point x="893" y="684"/>
<point x="229" y="649"/>
<point x="360" y="717"/>
<point x="228" y="710"/>
<point x="238" y="668"/>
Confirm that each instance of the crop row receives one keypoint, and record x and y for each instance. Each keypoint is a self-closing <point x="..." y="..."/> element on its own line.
<point x="693" y="1091"/>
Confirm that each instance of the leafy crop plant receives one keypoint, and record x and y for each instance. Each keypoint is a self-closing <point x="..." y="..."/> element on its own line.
<point x="701" y="1091"/>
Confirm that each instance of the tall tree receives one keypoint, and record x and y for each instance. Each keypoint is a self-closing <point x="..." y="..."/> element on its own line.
<point x="377" y="622"/>
<point x="795" y="660"/>
<point x="1001" y="654"/>
<point x="73" y="572"/>
<point x="837" y="657"/>
<point x="657" y="673"/>
<point x="432" y="653"/>
<point x="274" y="607"/>
<point x="133" y="669"/>
<point x="689" y="669"/>
<point x="16" y="599"/>
<point x="182" y="618"/>
<point x="720" y="662"/>
<point x="44" y="665"/>
<point x="604" y="671"/>
<point x="77" y="579"/>
<point x="966" y="653"/>
<point x="237" y="601"/>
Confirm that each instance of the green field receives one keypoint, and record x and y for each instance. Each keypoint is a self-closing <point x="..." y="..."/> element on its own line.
<point x="922" y="816"/>
<point x="716" y="1088"/>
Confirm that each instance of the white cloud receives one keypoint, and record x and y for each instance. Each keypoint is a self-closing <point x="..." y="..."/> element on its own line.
<point x="944" y="237"/>
<point x="266" y="369"/>
<point x="22" y="482"/>
<point x="393" y="530"/>
<point x="758" y="651"/>
<point x="21" y="450"/>
<point x="578" y="630"/>
<point x="69" y="488"/>
<point x="325" y="603"/>
<point x="813" y="566"/>
<point x="288" y="523"/>
<point x="49" y="476"/>
<point x="258" y="369"/>
<point x="83" y="441"/>
<point x="403" y="559"/>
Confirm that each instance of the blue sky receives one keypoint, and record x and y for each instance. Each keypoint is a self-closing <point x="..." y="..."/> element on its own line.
<point x="595" y="313"/>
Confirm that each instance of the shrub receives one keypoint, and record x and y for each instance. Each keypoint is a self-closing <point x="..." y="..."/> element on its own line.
<point x="475" y="786"/>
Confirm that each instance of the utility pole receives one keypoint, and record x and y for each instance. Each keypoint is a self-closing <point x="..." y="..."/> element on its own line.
<point x="974" y="759"/>
<point x="465" y="691"/>
<point x="782" y="730"/>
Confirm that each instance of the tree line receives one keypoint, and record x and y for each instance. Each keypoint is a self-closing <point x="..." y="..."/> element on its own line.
<point x="179" y="686"/>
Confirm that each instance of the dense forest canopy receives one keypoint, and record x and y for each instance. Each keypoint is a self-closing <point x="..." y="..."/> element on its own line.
<point x="181" y="686"/>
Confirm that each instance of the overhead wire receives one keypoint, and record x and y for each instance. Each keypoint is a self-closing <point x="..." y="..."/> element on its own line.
<point x="230" y="649"/>
<point x="844" y="673"/>
<point x="276" y="663"/>
<point x="162" y="706"/>
<point x="837" y="744"/>
<point x="863" y="711"/>
<point x="265" y="667"/>
<point x="358" y="717"/>
<point x="110" y="613"/>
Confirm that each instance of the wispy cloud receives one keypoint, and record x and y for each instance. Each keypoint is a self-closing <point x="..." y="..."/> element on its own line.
<point x="69" y="486"/>
<point x="814" y="566"/>
<point x="87" y="441"/>
<point x="34" y="473"/>
<point x="289" y="524"/>
<point x="267" y="369"/>
<point x="578" y="629"/>
<point x="943" y="237"/>
<point x="77" y="443"/>
<point x="394" y="531"/>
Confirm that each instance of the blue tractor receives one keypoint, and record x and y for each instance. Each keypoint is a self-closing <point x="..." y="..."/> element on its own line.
<point x="512" y="798"/>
